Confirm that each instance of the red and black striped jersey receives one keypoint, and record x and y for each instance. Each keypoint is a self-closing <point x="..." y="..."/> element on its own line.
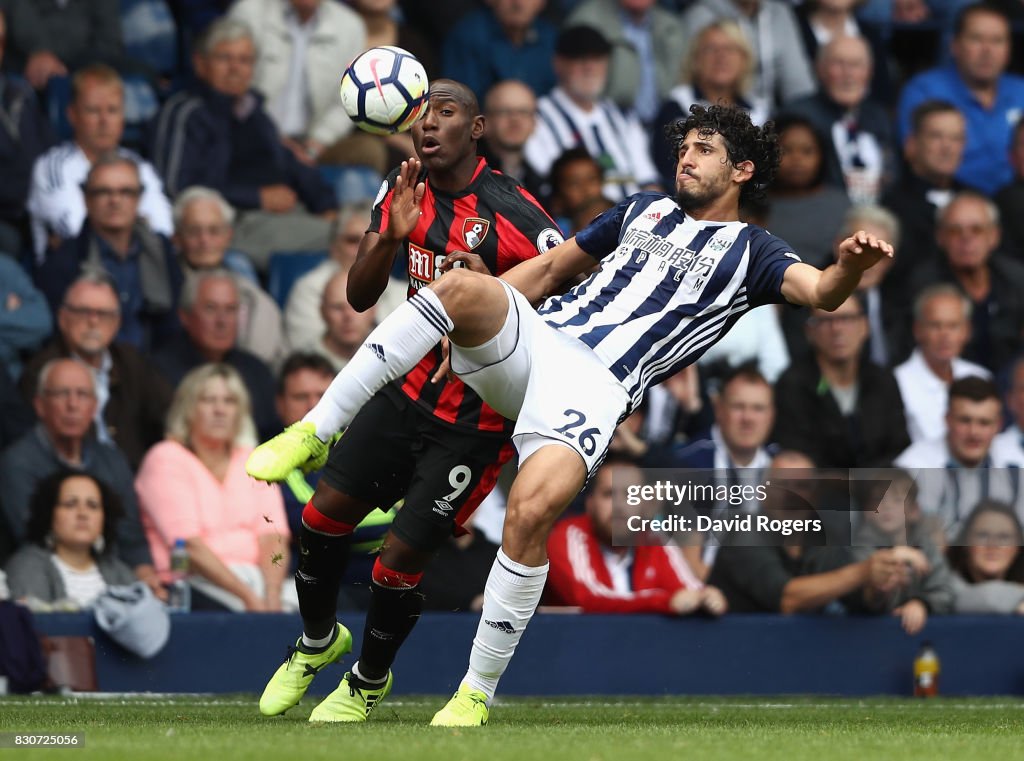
<point x="493" y="217"/>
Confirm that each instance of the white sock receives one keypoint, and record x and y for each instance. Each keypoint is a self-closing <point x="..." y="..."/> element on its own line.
<point x="318" y="644"/>
<point x="391" y="350"/>
<point x="510" y="598"/>
<point x="358" y="675"/>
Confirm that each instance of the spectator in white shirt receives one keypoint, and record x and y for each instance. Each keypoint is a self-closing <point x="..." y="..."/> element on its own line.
<point x="56" y="203"/>
<point x="1008" y="447"/>
<point x="942" y="327"/>
<point x="576" y="113"/>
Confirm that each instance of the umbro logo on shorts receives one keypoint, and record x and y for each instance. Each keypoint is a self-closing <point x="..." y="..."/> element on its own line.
<point x="501" y="626"/>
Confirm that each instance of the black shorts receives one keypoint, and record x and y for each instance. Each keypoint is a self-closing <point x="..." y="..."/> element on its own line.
<point x="392" y="450"/>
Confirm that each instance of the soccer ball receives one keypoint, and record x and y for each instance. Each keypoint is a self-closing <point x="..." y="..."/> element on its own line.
<point x="384" y="90"/>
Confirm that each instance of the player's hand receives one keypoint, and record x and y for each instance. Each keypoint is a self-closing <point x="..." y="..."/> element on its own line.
<point x="277" y="198"/>
<point x="714" y="601"/>
<point x="471" y="262"/>
<point x="863" y="250"/>
<point x="913" y="616"/>
<point x="406" y="201"/>
<point x="444" y="370"/>
<point x="914" y="558"/>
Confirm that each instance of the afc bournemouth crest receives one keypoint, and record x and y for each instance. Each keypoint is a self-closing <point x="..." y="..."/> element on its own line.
<point x="474" y="230"/>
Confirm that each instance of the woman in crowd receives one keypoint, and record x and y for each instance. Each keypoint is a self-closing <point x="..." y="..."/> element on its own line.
<point x="68" y="560"/>
<point x="193" y="486"/>
<point x="718" y="68"/>
<point x="987" y="561"/>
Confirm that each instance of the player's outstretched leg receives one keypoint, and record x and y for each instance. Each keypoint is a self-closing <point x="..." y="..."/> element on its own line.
<point x="546" y="484"/>
<point x="323" y="554"/>
<point x="395" y="608"/>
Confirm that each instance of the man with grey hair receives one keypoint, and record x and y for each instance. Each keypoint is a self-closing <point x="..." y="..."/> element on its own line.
<point x="132" y="397"/>
<point x="202" y="233"/>
<point x="303" y="322"/>
<point x="114" y="240"/>
<point x="942" y="327"/>
<point x="65" y="403"/>
<point x="968" y="234"/>
<point x="209" y="313"/>
<point x="218" y="134"/>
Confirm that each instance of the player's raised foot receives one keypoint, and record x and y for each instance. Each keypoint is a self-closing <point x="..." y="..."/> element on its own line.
<point x="352" y="701"/>
<point x="467" y="708"/>
<point x="297" y="446"/>
<point x="289" y="683"/>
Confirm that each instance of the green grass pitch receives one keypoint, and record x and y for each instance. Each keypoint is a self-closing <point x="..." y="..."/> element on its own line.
<point x="222" y="728"/>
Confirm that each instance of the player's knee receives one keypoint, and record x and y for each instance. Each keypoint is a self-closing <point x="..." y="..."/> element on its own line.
<point x="458" y="289"/>
<point x="386" y="575"/>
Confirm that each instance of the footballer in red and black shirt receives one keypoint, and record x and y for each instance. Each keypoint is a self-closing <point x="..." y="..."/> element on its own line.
<point x="426" y="438"/>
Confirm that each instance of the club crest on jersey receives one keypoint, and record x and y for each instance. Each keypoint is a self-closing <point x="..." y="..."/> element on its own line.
<point x="717" y="245"/>
<point x="474" y="230"/>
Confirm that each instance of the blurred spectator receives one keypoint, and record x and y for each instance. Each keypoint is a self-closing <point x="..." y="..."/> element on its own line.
<point x="783" y="68"/>
<point x="193" y="486"/>
<point x="209" y="312"/>
<point x="346" y="328"/>
<point x="977" y="84"/>
<point x="510" y="109"/>
<point x="860" y="157"/>
<point x="131" y="396"/>
<point x="590" y="570"/>
<point x="24" y="135"/>
<point x="435" y="19"/>
<point x="116" y="241"/>
<point x="836" y="406"/>
<point x="968" y="234"/>
<point x="576" y="113"/>
<point x="303" y="322"/>
<point x="56" y="202"/>
<point x="942" y="325"/>
<point x="299" y="46"/>
<point x="203" y="223"/>
<point x="1010" y="198"/>
<point x="50" y="38"/>
<point x="755" y="338"/>
<point x="68" y="559"/>
<point x="219" y="135"/>
<point x="892" y="518"/>
<point x="25" y="320"/>
<point x="576" y="178"/>
<point x="647" y="48"/>
<point x="672" y="412"/>
<point x="387" y="25"/>
<point x="933" y="151"/>
<point x="805" y="211"/>
<point x="988" y="561"/>
<point x="194" y="16"/>
<point x="588" y="211"/>
<point x="507" y="39"/>
<point x="65" y="404"/>
<point x="15" y="420"/>
<point x="1008" y="446"/>
<point x="957" y="470"/>
<point x="773" y="573"/>
<point x="718" y="68"/>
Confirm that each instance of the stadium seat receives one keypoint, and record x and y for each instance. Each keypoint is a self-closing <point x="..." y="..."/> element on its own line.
<point x="288" y="266"/>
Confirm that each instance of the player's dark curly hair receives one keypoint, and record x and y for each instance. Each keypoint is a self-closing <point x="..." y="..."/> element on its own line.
<point x="743" y="142"/>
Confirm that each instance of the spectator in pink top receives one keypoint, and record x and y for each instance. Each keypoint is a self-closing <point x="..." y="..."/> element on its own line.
<point x="193" y="486"/>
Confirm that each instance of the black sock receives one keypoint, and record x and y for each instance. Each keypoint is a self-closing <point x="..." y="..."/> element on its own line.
<point x="322" y="563"/>
<point x="392" y="615"/>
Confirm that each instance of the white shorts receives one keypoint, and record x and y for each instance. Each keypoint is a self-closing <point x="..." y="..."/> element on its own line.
<point x="551" y="384"/>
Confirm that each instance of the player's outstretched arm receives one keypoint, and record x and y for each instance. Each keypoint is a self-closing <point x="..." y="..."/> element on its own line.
<point x="545" y="274"/>
<point x="827" y="289"/>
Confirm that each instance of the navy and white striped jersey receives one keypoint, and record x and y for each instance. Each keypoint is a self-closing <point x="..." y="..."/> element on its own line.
<point x="669" y="286"/>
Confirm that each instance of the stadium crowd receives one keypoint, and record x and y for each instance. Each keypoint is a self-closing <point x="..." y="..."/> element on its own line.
<point x="183" y="198"/>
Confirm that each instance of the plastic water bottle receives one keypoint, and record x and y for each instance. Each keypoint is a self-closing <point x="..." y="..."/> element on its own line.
<point x="926" y="672"/>
<point x="179" y="596"/>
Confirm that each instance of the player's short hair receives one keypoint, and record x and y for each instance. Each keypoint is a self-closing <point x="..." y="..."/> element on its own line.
<point x="186" y="397"/>
<point x="99" y="73"/>
<point x="47" y="369"/>
<point x="938" y="290"/>
<point x="984" y="200"/>
<point x="875" y="215"/>
<point x="973" y="388"/>
<point x="732" y="30"/>
<point x="957" y="554"/>
<point x="199" y="193"/>
<point x="303" y="360"/>
<point x="744" y="141"/>
<point x="962" y="16"/>
<point x="44" y="503"/>
<point x="224" y="29"/>
<point x="464" y="95"/>
<point x="193" y="281"/>
<point x="928" y="108"/>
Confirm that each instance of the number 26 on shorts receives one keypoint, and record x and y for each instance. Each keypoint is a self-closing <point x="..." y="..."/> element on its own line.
<point x="586" y="437"/>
